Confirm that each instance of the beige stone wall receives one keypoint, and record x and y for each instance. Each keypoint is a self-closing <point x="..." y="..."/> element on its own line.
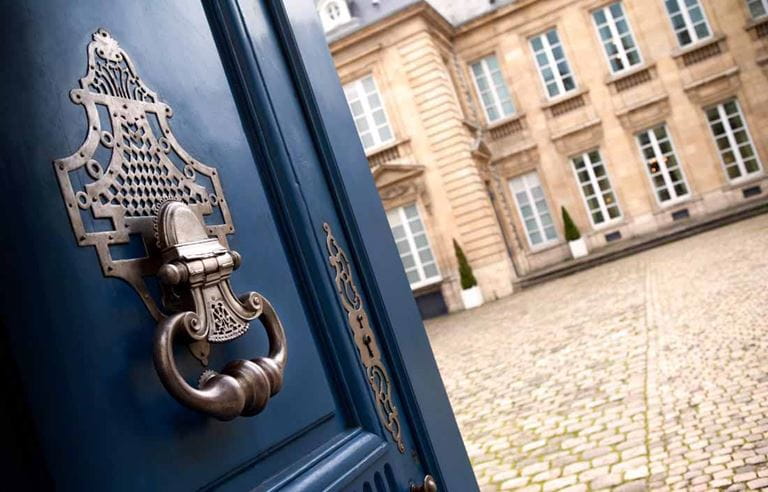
<point x="447" y="158"/>
<point x="610" y="117"/>
<point x="410" y="61"/>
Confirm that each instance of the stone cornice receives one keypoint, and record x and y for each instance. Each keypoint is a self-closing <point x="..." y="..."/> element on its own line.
<point x="435" y="21"/>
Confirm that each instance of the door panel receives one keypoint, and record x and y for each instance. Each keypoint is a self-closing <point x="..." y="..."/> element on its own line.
<point x="83" y="342"/>
<point x="99" y="326"/>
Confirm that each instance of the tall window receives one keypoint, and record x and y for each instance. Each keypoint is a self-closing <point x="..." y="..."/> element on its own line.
<point x="758" y="8"/>
<point x="733" y="140"/>
<point x="663" y="166"/>
<point x="596" y="187"/>
<point x="413" y="245"/>
<point x="533" y="209"/>
<point x="688" y="21"/>
<point x="616" y="35"/>
<point x="367" y="110"/>
<point x="554" y="69"/>
<point x="492" y="89"/>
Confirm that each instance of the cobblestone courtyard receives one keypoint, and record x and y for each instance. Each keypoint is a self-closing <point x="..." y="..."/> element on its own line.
<point x="648" y="373"/>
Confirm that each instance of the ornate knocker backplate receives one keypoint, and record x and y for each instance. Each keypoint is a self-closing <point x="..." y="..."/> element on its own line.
<point x="132" y="183"/>
<point x="114" y="199"/>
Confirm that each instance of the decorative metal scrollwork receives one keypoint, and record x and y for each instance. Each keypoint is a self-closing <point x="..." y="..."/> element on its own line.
<point x="128" y="165"/>
<point x="148" y="188"/>
<point x="370" y="356"/>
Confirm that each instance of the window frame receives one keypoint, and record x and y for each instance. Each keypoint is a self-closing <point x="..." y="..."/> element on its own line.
<point x="496" y="99"/>
<point x="762" y="3"/>
<point x="548" y="52"/>
<point x="733" y="144"/>
<point x="413" y="249"/>
<point x="616" y="36"/>
<point x="368" y="113"/>
<point x="593" y="181"/>
<point x="327" y="22"/>
<point x="668" y="183"/>
<point x="689" y="25"/>
<point x="546" y="242"/>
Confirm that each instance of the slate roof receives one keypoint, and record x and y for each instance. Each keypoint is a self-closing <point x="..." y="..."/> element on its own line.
<point x="367" y="12"/>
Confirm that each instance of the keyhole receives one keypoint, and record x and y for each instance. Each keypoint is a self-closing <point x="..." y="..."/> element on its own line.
<point x="367" y="341"/>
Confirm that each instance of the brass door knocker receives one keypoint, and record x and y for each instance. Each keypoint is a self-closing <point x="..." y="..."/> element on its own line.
<point x="196" y="270"/>
<point x="131" y="173"/>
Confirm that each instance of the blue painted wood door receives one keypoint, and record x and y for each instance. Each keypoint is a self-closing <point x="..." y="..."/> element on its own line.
<point x="254" y="94"/>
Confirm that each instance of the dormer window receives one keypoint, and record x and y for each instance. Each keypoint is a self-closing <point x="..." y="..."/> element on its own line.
<point x="333" y="13"/>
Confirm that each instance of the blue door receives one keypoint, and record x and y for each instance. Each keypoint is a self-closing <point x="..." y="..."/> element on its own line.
<point x="200" y="290"/>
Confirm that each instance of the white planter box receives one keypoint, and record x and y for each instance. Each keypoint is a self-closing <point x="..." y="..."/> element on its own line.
<point x="578" y="247"/>
<point x="472" y="297"/>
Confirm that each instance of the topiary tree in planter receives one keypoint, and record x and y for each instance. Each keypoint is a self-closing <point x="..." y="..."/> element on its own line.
<point x="468" y="279"/>
<point x="571" y="231"/>
<point x="576" y="243"/>
<point x="471" y="295"/>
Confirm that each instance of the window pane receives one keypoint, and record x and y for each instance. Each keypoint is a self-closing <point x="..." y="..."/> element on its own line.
<point x="552" y="63"/>
<point x="425" y="256"/>
<point x="596" y="187"/>
<point x="413" y="246"/>
<point x="688" y="20"/>
<point x="492" y="88"/>
<point x="751" y="166"/>
<point x="615" y="32"/>
<point x="430" y="271"/>
<point x="732" y="138"/>
<point x="408" y="261"/>
<point x="661" y="161"/>
<point x="537" y="220"/>
<point x="368" y="112"/>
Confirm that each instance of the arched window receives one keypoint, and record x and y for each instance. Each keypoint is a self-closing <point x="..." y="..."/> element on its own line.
<point x="333" y="13"/>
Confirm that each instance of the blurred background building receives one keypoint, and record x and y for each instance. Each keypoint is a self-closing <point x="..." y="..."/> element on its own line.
<point x="481" y="120"/>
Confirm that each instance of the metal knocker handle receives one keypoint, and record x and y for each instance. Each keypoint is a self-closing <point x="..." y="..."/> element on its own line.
<point x="196" y="274"/>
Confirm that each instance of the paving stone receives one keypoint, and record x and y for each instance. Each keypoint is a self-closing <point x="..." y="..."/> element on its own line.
<point x="605" y="481"/>
<point x="546" y="475"/>
<point x="743" y="477"/>
<point x="535" y="468"/>
<point x="636" y="486"/>
<point x="660" y="359"/>
<point x="758" y="484"/>
<point x="579" y="487"/>
<point x="559" y="483"/>
<point x="514" y="483"/>
<point x="633" y="452"/>
<point x="596" y="452"/>
<point x="505" y="475"/>
<point x="720" y="483"/>
<point x="575" y="468"/>
<point x="607" y="459"/>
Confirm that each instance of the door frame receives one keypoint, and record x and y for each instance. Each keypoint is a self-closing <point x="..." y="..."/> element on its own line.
<point x="391" y="305"/>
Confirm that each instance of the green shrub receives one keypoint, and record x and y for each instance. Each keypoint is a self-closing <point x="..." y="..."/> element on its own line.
<point x="571" y="231"/>
<point x="468" y="279"/>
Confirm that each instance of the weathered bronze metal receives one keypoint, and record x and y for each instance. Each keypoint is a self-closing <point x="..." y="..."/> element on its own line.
<point x="148" y="187"/>
<point x="429" y="485"/>
<point x="129" y="163"/>
<point x="368" y="348"/>
<point x="197" y="268"/>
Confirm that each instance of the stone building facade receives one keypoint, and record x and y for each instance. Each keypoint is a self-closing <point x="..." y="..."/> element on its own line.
<point x="481" y="120"/>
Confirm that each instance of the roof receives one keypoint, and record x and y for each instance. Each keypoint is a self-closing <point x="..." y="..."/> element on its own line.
<point x="367" y="12"/>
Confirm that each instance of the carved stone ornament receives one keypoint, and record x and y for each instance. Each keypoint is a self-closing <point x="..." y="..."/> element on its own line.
<point x="368" y="348"/>
<point x="129" y="164"/>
